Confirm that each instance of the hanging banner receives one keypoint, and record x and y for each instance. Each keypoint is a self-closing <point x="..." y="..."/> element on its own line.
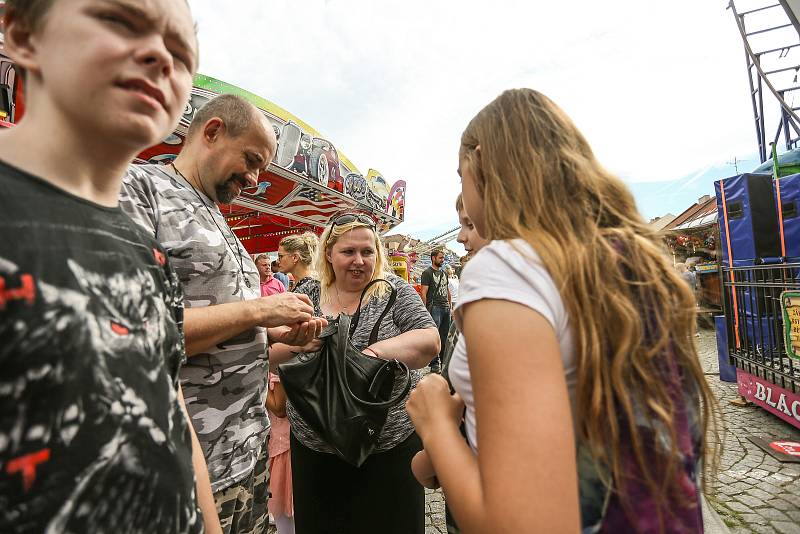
<point x="775" y="399"/>
<point x="399" y="263"/>
<point x="790" y="304"/>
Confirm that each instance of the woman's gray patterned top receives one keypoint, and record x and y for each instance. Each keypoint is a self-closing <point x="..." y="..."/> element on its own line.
<point x="408" y="313"/>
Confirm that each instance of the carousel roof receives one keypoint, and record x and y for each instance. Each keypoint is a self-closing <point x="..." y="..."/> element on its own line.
<point x="308" y="181"/>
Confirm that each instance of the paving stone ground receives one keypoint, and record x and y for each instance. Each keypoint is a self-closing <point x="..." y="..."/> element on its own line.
<point x="754" y="491"/>
<point x="434" y="512"/>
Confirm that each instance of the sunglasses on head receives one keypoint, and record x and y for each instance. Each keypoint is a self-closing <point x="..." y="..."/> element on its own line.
<point x="348" y="218"/>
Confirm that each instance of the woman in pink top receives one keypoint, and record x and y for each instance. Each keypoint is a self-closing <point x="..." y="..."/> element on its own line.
<point x="281" y="504"/>
<point x="269" y="284"/>
<point x="280" y="469"/>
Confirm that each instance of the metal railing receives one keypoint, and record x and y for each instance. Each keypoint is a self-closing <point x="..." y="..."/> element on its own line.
<point x="755" y="322"/>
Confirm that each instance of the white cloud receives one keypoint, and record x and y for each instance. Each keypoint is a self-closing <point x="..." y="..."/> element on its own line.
<point x="658" y="88"/>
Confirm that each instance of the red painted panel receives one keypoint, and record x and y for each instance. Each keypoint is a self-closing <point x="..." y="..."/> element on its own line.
<point x="775" y="399"/>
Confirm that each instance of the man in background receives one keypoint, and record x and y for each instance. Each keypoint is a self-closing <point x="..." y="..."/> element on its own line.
<point x="269" y="284"/>
<point x="281" y="277"/>
<point x="436" y="297"/>
<point x="228" y="144"/>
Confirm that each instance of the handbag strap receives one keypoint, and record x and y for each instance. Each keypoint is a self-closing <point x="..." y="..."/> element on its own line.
<point x="391" y="365"/>
<point x="373" y="336"/>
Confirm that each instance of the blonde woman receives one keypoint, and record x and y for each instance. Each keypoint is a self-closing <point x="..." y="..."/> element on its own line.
<point x="295" y="256"/>
<point x="586" y="407"/>
<point x="330" y="495"/>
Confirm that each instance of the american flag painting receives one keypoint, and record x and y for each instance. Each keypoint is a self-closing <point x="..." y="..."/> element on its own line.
<point x="313" y="204"/>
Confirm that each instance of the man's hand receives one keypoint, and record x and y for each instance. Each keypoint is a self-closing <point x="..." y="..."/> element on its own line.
<point x="312" y="346"/>
<point x="283" y="309"/>
<point x="298" y="334"/>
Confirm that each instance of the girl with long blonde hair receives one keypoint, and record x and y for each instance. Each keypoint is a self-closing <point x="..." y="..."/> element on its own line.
<point x="586" y="406"/>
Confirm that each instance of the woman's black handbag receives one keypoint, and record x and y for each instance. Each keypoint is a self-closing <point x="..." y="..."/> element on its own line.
<point x="342" y="394"/>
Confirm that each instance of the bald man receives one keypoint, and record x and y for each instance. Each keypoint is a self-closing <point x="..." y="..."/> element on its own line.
<point x="226" y="320"/>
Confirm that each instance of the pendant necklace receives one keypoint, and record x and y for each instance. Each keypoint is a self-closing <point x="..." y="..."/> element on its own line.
<point x="239" y="260"/>
<point x="338" y="300"/>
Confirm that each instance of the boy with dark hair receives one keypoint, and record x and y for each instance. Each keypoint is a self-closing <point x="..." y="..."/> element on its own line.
<point x="93" y="432"/>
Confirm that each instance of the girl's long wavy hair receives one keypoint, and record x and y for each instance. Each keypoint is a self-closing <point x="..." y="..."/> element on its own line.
<point x="325" y="270"/>
<point x="629" y="311"/>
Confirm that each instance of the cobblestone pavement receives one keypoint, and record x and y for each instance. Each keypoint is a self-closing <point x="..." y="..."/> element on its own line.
<point x="755" y="492"/>
<point x="434" y="512"/>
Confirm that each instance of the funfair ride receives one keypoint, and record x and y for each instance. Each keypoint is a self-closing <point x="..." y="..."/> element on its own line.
<point x="307" y="182"/>
<point x="759" y="224"/>
<point x="770" y="32"/>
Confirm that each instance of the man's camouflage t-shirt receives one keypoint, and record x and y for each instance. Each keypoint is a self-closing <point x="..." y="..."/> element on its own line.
<point x="224" y="387"/>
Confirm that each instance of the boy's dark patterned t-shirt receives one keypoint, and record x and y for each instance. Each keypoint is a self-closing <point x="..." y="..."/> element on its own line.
<point x="92" y="437"/>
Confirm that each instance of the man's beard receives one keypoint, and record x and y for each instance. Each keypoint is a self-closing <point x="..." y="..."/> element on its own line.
<point x="225" y="191"/>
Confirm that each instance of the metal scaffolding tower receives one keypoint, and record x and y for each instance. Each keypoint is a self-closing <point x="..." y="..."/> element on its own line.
<point x="772" y="51"/>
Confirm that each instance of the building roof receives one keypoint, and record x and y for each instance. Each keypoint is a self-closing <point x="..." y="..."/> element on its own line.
<point x="399" y="242"/>
<point x="699" y="215"/>
<point x="660" y="222"/>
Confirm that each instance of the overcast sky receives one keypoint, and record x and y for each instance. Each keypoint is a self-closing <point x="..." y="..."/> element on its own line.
<point x="658" y="88"/>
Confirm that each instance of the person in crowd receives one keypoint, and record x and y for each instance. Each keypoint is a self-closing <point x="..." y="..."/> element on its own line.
<point x="225" y="378"/>
<point x="586" y="406"/>
<point x="688" y="276"/>
<point x="436" y="297"/>
<point x="296" y="253"/>
<point x="330" y="495"/>
<point x="697" y="286"/>
<point x="91" y="412"/>
<point x="281" y="502"/>
<point x="469" y="238"/>
<point x="452" y="285"/>
<point x="472" y="243"/>
<point x="269" y="284"/>
<point x="464" y="259"/>
<point x="295" y="256"/>
<point x="416" y="285"/>
<point x="279" y="275"/>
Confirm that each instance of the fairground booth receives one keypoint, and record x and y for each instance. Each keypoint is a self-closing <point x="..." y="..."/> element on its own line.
<point x="692" y="239"/>
<point x="760" y="241"/>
